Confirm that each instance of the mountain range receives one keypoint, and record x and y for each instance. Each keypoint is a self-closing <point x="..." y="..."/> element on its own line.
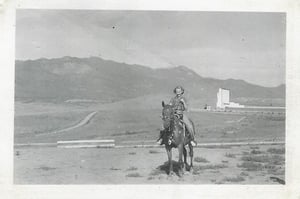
<point x="93" y="78"/>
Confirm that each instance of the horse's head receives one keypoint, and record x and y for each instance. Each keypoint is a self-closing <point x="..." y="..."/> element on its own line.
<point x="167" y="114"/>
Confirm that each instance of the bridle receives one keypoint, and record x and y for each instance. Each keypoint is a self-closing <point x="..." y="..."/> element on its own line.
<point x="168" y="118"/>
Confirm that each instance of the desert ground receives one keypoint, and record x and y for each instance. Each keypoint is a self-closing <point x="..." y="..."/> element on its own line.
<point x="131" y="122"/>
<point x="228" y="165"/>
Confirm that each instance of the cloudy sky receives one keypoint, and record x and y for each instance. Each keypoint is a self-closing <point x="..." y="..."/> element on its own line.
<point x="248" y="46"/>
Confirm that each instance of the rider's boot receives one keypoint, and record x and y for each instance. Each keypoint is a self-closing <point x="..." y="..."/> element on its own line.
<point x="193" y="143"/>
<point x="159" y="141"/>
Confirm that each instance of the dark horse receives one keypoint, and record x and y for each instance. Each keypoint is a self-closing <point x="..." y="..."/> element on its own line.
<point x="175" y="131"/>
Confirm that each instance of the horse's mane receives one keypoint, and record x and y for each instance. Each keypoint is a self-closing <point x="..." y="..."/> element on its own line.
<point x="173" y="119"/>
<point x="168" y="106"/>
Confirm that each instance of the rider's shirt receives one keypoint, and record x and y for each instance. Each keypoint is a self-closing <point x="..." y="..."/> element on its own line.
<point x="179" y="103"/>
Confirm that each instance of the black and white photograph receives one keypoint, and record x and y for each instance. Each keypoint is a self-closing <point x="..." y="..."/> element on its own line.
<point x="153" y="97"/>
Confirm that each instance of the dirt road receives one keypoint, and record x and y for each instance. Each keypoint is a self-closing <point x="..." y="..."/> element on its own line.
<point x="82" y="122"/>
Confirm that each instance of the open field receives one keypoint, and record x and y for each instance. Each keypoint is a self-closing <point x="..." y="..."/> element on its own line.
<point x="125" y="124"/>
<point x="231" y="165"/>
<point x="131" y="122"/>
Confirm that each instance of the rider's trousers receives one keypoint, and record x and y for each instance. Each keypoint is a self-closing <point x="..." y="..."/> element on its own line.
<point x="188" y="125"/>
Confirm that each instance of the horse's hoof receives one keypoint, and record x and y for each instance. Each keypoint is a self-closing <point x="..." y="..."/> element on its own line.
<point x="186" y="167"/>
<point x="180" y="174"/>
<point x="171" y="173"/>
<point x="191" y="169"/>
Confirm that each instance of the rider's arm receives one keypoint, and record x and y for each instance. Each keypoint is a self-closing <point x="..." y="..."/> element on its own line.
<point x="184" y="102"/>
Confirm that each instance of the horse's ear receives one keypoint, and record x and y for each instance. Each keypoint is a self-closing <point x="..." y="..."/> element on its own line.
<point x="163" y="104"/>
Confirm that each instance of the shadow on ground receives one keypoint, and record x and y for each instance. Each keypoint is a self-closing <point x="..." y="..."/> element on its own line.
<point x="164" y="169"/>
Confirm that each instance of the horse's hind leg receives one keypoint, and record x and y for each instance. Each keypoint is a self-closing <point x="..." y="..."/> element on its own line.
<point x="185" y="158"/>
<point x="181" y="164"/>
<point x="191" y="152"/>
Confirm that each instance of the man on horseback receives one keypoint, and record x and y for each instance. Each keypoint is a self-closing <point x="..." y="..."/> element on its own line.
<point x="180" y="107"/>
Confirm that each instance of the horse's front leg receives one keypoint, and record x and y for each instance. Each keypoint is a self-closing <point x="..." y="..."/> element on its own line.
<point x="170" y="163"/>
<point x="185" y="159"/>
<point x="180" y="151"/>
<point x="191" y="151"/>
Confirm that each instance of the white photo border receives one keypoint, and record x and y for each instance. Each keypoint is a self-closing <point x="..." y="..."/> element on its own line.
<point x="7" y="60"/>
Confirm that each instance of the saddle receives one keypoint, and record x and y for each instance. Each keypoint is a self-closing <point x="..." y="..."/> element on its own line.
<point x="180" y="117"/>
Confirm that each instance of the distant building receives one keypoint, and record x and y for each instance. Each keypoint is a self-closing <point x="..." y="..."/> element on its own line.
<point x="223" y="97"/>
<point x="207" y="107"/>
<point x="223" y="100"/>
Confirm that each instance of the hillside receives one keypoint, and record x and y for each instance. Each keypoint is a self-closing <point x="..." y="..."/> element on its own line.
<point x="101" y="80"/>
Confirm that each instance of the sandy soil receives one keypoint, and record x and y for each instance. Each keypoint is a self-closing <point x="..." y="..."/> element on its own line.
<point x="50" y="165"/>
